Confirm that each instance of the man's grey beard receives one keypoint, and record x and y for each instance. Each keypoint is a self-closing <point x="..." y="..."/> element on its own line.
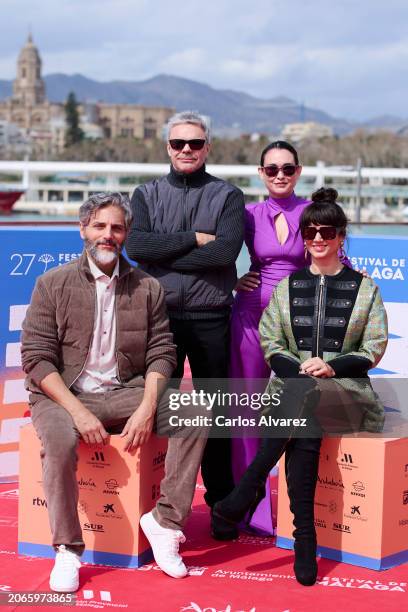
<point x="102" y="257"/>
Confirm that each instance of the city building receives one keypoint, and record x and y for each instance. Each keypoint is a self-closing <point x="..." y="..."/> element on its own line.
<point x="296" y="132"/>
<point x="130" y="120"/>
<point x="28" y="107"/>
<point x="12" y="137"/>
<point x="43" y="122"/>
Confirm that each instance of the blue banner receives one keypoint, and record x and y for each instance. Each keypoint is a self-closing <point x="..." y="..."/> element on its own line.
<point x="385" y="259"/>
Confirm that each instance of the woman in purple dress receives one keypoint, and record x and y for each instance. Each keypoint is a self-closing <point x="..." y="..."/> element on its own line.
<point x="276" y="249"/>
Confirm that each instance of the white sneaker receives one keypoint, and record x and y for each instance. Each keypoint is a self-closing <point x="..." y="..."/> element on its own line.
<point x="64" y="576"/>
<point x="165" y="545"/>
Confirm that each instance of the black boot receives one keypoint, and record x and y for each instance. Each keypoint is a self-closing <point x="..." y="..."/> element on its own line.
<point x="221" y="529"/>
<point x="302" y="462"/>
<point x="242" y="502"/>
<point x="305" y="566"/>
<point x="216" y="471"/>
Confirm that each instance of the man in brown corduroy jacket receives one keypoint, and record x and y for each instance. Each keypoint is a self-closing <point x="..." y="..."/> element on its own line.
<point x="96" y="349"/>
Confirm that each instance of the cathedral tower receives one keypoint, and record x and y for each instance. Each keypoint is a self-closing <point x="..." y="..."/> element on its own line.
<point x="29" y="87"/>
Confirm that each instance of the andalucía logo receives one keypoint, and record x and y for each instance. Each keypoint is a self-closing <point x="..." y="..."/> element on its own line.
<point x="86" y="483"/>
<point x="330" y="482"/>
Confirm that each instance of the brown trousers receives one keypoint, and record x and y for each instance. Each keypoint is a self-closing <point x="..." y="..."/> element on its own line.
<point x="59" y="438"/>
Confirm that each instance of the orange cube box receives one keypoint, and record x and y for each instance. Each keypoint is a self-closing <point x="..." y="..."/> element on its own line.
<point x="361" y="502"/>
<point x="115" y="489"/>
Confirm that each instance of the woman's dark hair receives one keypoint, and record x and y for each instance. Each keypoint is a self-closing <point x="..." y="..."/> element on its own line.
<point x="280" y="144"/>
<point x="324" y="210"/>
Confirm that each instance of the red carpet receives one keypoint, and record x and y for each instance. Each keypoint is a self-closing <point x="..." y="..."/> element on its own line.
<point x="250" y="575"/>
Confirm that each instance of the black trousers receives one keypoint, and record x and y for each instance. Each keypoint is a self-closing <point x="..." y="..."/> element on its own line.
<point x="206" y="344"/>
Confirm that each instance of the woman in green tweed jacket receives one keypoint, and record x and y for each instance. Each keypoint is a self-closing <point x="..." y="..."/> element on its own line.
<point x="323" y="329"/>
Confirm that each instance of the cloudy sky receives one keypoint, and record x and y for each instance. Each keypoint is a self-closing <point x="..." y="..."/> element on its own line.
<point x="348" y="57"/>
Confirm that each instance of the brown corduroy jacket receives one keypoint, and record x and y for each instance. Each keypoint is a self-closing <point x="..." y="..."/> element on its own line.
<point x="58" y="328"/>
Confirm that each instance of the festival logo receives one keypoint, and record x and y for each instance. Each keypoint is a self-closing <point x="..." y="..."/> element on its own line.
<point x="46" y="259"/>
<point x="382" y="268"/>
<point x="359" y="583"/>
<point x="24" y="264"/>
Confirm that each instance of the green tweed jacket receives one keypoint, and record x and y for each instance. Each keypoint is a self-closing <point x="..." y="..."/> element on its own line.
<point x="339" y="318"/>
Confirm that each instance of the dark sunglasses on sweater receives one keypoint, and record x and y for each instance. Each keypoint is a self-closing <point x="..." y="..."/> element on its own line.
<point x="178" y="144"/>
<point x="327" y="232"/>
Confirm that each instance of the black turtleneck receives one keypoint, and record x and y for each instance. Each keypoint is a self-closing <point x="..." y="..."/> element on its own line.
<point x="179" y="250"/>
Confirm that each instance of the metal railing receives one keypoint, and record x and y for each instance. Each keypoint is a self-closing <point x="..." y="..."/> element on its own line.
<point x="59" y="187"/>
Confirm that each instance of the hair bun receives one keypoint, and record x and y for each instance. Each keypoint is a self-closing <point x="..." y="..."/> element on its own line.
<point x="325" y="194"/>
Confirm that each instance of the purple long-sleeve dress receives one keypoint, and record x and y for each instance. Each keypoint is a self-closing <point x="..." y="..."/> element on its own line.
<point x="273" y="261"/>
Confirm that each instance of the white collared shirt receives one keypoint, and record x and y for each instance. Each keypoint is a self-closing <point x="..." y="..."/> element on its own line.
<point x="100" y="370"/>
